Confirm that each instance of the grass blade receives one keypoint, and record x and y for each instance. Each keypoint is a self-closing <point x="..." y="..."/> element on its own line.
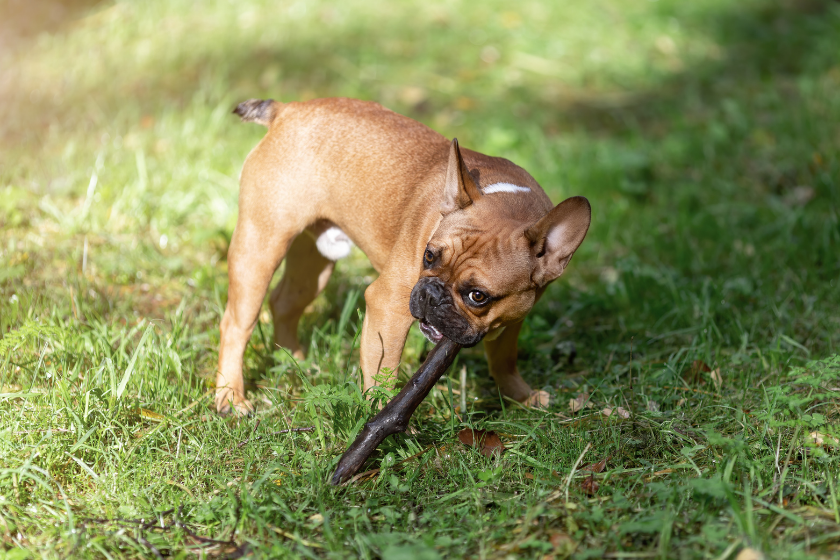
<point x="131" y="364"/>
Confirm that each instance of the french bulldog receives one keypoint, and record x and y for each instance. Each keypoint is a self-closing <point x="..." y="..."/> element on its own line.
<point x="464" y="243"/>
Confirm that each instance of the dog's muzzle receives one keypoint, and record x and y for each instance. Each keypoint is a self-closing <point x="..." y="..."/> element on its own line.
<point x="431" y="303"/>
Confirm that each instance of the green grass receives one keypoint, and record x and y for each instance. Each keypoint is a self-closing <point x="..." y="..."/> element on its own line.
<point x="703" y="133"/>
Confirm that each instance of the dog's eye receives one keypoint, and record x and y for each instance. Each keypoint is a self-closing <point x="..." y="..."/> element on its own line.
<point x="428" y="257"/>
<point x="477" y="297"/>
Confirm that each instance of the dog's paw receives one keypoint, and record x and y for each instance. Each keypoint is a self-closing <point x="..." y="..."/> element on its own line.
<point x="229" y="402"/>
<point x="538" y="399"/>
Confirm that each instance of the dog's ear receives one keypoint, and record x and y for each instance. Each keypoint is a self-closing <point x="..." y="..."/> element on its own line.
<point x="556" y="237"/>
<point x="460" y="190"/>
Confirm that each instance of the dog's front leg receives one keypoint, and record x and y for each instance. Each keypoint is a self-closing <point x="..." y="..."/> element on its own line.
<point x="501" y="358"/>
<point x="385" y="328"/>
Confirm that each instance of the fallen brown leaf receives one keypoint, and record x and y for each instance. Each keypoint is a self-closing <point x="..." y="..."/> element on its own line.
<point x="529" y="476"/>
<point x="487" y="442"/>
<point x="699" y="366"/>
<point x="658" y="473"/>
<point x="563" y="544"/>
<point x="538" y="399"/>
<point x="696" y="371"/>
<point x="597" y="467"/>
<point x="618" y="411"/>
<point x="576" y="404"/>
<point x="589" y="484"/>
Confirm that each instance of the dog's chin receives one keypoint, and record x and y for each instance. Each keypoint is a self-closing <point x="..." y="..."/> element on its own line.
<point x="434" y="335"/>
<point x="431" y="333"/>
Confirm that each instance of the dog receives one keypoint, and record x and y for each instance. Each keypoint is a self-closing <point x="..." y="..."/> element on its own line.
<point x="464" y="243"/>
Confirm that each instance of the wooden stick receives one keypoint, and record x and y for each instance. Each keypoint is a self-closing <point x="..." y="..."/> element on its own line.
<point x="393" y="418"/>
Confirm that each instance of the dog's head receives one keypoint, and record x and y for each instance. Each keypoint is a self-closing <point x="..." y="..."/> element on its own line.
<point x="484" y="265"/>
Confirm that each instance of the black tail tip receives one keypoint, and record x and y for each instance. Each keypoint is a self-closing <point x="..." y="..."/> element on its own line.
<point x="256" y="110"/>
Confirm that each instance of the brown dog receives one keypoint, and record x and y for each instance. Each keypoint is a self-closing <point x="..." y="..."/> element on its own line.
<point x="463" y="242"/>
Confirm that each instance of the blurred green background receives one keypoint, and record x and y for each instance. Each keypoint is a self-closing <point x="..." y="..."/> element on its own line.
<point x="705" y="134"/>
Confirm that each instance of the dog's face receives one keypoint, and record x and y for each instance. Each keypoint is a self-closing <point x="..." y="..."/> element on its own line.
<point x="475" y="278"/>
<point x="483" y="267"/>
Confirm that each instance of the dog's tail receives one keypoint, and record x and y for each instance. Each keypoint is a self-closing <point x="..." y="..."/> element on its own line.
<point x="258" y="111"/>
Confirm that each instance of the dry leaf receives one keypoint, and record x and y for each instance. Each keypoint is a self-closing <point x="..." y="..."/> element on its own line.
<point x="619" y="411"/>
<point x="487" y="442"/>
<point x="716" y="378"/>
<point x="681" y="402"/>
<point x="538" y="399"/>
<point x="316" y="518"/>
<point x="589" y="484"/>
<point x="749" y="554"/>
<point x="577" y="404"/>
<point x="563" y="544"/>
<point x="820" y="439"/>
<point x="597" y="467"/>
<point x="529" y="476"/>
<point x="150" y="415"/>
<point x="699" y="366"/>
<point x="658" y="473"/>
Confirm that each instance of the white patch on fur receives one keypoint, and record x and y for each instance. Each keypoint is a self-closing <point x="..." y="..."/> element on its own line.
<point x="334" y="244"/>
<point x="504" y="187"/>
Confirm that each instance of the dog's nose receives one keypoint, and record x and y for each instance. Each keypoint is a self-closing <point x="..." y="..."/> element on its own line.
<point x="428" y="294"/>
<point x="431" y="295"/>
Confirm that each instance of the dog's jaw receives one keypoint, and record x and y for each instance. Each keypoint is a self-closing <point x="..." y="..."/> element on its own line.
<point x="431" y="303"/>
<point x="431" y="333"/>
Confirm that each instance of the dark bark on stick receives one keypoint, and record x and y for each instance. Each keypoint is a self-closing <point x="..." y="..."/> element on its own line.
<point x="393" y="418"/>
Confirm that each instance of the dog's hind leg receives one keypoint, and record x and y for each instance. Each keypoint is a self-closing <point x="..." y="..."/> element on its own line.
<point x="307" y="273"/>
<point x="255" y="253"/>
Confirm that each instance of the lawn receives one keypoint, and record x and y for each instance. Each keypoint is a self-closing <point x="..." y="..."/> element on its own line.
<point x="702" y="312"/>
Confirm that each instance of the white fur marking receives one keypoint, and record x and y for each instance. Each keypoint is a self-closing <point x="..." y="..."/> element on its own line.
<point x="334" y="244"/>
<point x="504" y="187"/>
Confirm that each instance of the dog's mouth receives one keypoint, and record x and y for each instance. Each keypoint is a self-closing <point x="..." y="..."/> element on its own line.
<point x="430" y="332"/>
